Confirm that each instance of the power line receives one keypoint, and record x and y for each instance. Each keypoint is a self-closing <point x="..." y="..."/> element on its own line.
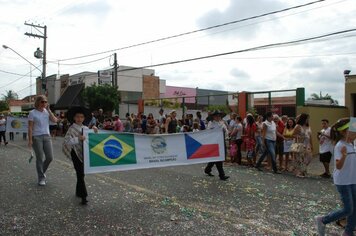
<point x="18" y="91"/>
<point x="293" y="56"/>
<point x="22" y="76"/>
<point x="196" y="31"/>
<point x="267" y="46"/>
<point x="12" y="73"/>
<point x="81" y="63"/>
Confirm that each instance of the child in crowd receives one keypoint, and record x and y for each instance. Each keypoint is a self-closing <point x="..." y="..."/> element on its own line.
<point x="73" y="147"/>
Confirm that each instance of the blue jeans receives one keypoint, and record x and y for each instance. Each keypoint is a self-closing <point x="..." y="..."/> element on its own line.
<point x="348" y="198"/>
<point x="259" y="146"/>
<point x="271" y="150"/>
<point x="42" y="145"/>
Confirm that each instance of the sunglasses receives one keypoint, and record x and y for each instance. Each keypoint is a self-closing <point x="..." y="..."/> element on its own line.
<point x="43" y="101"/>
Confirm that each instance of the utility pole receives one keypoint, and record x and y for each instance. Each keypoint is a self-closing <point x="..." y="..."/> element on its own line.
<point x="43" y="35"/>
<point x="115" y="83"/>
<point x="115" y="70"/>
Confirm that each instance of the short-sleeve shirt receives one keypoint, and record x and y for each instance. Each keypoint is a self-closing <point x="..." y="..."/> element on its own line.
<point x="2" y="125"/>
<point x="40" y="122"/>
<point x="271" y="130"/>
<point x="347" y="174"/>
<point x="325" y="144"/>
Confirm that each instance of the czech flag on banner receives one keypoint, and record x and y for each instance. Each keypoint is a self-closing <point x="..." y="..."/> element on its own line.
<point x="201" y="147"/>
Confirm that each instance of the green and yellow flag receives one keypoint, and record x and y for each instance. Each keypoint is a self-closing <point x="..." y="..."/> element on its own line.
<point x="109" y="149"/>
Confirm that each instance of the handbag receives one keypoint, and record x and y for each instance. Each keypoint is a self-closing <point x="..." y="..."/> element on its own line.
<point x="297" y="147"/>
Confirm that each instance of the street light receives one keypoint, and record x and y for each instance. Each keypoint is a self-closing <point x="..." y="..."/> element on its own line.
<point x="7" y="47"/>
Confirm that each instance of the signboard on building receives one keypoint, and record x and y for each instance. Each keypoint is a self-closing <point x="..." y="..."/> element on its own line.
<point x="178" y="92"/>
<point x="104" y="77"/>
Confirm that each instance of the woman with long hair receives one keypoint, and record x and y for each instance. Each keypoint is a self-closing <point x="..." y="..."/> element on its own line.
<point x="344" y="178"/>
<point x="302" y="134"/>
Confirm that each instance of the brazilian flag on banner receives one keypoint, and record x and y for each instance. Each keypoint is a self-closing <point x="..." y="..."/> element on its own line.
<point x="109" y="149"/>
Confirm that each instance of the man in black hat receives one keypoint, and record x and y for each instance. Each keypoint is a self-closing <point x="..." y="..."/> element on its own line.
<point x="217" y="123"/>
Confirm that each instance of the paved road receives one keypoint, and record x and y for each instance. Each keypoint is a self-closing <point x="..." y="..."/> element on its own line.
<point x="166" y="201"/>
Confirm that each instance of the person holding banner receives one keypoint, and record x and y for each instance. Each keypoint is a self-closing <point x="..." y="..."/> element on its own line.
<point x="3" y="129"/>
<point x="217" y="123"/>
<point x="39" y="137"/>
<point x="344" y="177"/>
<point x="73" y="147"/>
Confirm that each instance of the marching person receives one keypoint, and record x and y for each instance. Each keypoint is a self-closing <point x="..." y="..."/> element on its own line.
<point x="3" y="129"/>
<point x="39" y="137"/>
<point x="269" y="136"/>
<point x="217" y="122"/>
<point x="344" y="179"/>
<point x="73" y="147"/>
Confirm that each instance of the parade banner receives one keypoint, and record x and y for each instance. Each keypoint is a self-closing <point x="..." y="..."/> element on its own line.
<point x="14" y="124"/>
<point x="112" y="151"/>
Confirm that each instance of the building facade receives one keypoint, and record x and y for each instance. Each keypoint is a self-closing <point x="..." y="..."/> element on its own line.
<point x="350" y="94"/>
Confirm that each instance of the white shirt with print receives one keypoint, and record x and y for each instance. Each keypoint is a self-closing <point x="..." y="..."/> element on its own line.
<point x="325" y="144"/>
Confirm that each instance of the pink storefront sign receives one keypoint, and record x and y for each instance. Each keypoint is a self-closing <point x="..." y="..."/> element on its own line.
<point x="179" y="92"/>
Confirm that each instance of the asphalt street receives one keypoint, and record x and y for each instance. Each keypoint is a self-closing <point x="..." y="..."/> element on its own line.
<point x="166" y="201"/>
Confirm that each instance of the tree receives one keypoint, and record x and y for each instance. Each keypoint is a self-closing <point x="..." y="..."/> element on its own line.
<point x="315" y="96"/>
<point x="4" y="106"/>
<point x="105" y="97"/>
<point x="10" y="95"/>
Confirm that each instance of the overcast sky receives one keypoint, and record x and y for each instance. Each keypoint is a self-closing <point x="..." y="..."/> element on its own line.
<point x="77" y="28"/>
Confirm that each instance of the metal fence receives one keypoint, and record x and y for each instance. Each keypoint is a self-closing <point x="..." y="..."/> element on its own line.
<point x="281" y="102"/>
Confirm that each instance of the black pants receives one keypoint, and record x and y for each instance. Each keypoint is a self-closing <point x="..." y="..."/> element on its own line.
<point x="2" y="136"/>
<point x="81" y="190"/>
<point x="219" y="166"/>
<point x="11" y="134"/>
<point x="239" y="155"/>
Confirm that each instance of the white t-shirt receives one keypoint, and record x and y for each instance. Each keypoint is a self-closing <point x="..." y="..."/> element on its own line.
<point x="347" y="174"/>
<point x="239" y="129"/>
<point x="2" y="124"/>
<point x="325" y="144"/>
<point x="271" y="130"/>
<point x="40" y="122"/>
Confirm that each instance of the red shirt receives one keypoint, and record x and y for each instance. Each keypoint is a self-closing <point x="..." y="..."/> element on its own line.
<point x="280" y="128"/>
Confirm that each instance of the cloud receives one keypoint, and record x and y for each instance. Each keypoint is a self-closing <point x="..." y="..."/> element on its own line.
<point x="309" y="63"/>
<point x="239" y="9"/>
<point x="239" y="74"/>
<point x="96" y="8"/>
<point x="327" y="78"/>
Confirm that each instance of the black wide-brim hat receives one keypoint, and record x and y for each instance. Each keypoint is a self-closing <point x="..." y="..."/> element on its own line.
<point x="218" y="113"/>
<point x="82" y="110"/>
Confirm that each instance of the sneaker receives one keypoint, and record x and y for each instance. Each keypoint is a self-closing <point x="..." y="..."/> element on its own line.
<point x="42" y="182"/>
<point x="320" y="226"/>
<point x="209" y="174"/>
